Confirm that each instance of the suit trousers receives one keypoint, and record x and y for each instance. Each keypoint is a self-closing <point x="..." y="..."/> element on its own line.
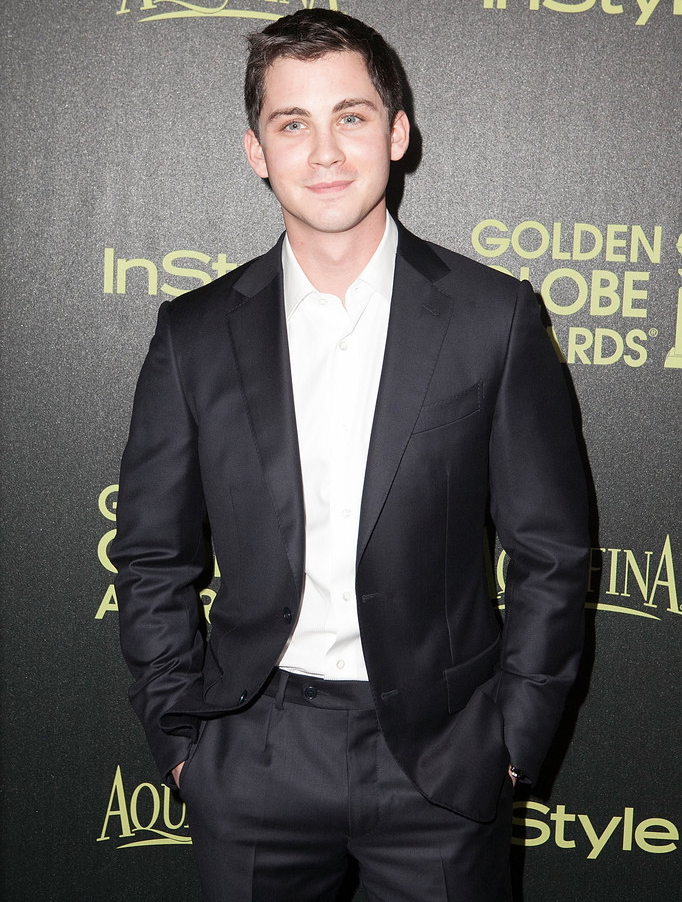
<point x="281" y="793"/>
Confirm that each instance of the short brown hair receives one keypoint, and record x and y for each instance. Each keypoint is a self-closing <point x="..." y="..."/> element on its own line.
<point x="309" y="34"/>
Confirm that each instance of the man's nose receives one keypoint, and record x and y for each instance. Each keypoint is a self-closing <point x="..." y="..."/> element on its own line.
<point x="326" y="149"/>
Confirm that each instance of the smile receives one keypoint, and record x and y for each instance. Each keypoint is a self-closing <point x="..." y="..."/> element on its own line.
<point x="329" y="187"/>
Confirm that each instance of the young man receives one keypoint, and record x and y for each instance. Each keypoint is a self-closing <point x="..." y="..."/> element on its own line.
<point x="341" y="411"/>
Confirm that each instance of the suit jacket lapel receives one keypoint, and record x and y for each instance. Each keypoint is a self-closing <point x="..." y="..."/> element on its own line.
<point x="418" y="323"/>
<point x="257" y="324"/>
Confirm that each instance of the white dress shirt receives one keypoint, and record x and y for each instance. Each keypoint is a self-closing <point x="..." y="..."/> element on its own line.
<point x="336" y="354"/>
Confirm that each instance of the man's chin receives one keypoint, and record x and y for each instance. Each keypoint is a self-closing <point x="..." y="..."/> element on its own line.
<point x="336" y="222"/>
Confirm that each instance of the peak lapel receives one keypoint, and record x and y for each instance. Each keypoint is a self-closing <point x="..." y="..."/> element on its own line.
<point x="417" y="327"/>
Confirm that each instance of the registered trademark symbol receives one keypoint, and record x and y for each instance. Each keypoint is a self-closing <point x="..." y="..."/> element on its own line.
<point x="653" y="333"/>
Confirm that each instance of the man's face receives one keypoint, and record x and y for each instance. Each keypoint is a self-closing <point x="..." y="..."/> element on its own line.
<point x="325" y="143"/>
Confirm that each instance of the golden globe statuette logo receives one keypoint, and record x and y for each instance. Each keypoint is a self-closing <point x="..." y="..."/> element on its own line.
<point x="151" y="10"/>
<point x="674" y="358"/>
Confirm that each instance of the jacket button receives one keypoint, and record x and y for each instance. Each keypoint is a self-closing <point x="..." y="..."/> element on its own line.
<point x="310" y="692"/>
<point x="242" y="697"/>
<point x="287" y="615"/>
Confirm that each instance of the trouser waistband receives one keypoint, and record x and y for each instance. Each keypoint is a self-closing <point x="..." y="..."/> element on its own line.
<point x="299" y="689"/>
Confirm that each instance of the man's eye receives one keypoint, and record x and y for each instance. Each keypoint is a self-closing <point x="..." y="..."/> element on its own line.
<point x="293" y="126"/>
<point x="350" y="119"/>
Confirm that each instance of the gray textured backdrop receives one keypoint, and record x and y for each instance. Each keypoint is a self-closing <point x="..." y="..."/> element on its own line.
<point x="122" y="130"/>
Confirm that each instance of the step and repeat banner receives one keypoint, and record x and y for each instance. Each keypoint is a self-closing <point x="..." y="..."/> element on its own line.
<point x="547" y="144"/>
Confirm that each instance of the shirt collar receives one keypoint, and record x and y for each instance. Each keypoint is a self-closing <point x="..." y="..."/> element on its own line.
<point x="378" y="273"/>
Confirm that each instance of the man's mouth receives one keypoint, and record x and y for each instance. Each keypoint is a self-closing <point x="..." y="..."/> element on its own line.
<point x="334" y="187"/>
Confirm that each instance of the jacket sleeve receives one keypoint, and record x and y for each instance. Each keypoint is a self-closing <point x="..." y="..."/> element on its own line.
<point x="539" y="506"/>
<point x="160" y="549"/>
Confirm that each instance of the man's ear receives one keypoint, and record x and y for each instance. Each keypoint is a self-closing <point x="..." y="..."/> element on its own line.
<point x="400" y="135"/>
<point x="255" y="155"/>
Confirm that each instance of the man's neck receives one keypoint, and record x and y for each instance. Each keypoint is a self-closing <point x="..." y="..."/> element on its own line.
<point x="333" y="260"/>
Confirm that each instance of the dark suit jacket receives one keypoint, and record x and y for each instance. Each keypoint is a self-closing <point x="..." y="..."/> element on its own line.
<point x="472" y="410"/>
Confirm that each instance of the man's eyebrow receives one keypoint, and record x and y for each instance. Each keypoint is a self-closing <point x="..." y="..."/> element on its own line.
<point x="288" y="111"/>
<point x="354" y="101"/>
<point x="344" y="104"/>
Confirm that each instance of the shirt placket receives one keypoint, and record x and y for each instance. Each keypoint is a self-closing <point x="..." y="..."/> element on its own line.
<point x="345" y="494"/>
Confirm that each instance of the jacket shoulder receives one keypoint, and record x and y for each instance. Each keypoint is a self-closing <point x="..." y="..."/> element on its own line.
<point x="226" y="292"/>
<point x="468" y="270"/>
<point x="454" y="272"/>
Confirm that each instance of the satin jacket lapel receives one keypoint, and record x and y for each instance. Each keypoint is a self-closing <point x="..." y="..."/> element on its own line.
<point x="258" y="331"/>
<point x="417" y="327"/>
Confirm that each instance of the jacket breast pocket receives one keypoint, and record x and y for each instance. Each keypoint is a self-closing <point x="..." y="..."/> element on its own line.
<point x="449" y="410"/>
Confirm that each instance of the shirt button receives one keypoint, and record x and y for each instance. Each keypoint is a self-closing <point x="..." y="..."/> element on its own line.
<point x="345" y="512"/>
<point x="340" y="665"/>
<point x="323" y="301"/>
<point x="343" y="345"/>
<point x="346" y="596"/>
